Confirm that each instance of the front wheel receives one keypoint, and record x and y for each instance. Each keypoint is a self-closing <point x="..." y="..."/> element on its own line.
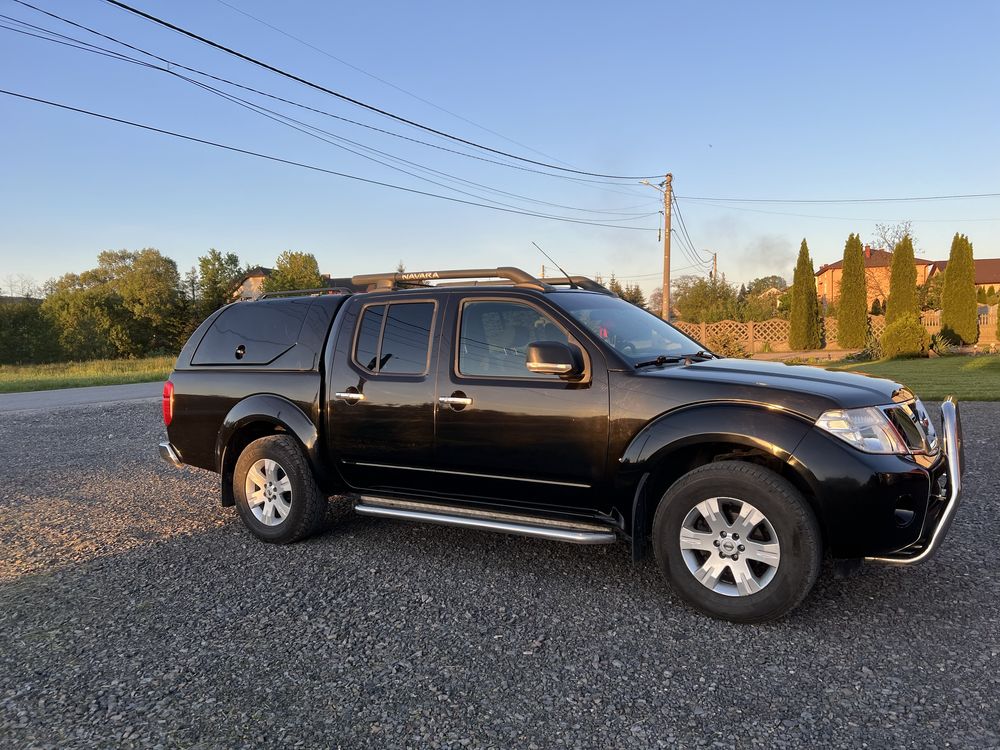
<point x="276" y="494"/>
<point x="737" y="541"/>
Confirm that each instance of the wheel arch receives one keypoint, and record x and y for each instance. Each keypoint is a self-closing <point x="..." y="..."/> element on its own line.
<point x="258" y="416"/>
<point x="680" y="441"/>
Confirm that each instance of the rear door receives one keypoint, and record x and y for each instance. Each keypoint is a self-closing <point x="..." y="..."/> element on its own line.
<point x="381" y="392"/>
<point x="508" y="436"/>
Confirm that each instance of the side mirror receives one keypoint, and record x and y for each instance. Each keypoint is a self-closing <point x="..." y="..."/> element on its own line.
<point x="554" y="358"/>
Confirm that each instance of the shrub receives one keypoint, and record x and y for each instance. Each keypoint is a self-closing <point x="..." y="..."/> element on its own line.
<point x="728" y="345"/>
<point x="905" y="337"/>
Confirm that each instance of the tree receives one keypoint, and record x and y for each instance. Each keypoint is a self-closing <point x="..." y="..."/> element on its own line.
<point x="929" y="293"/>
<point x="762" y="284"/>
<point x="294" y="270"/>
<point x="615" y="286"/>
<point x="129" y="306"/>
<point x="876" y="307"/>
<point x="959" y="313"/>
<point x="902" y="283"/>
<point x="805" y="327"/>
<point x="217" y="274"/>
<point x="655" y="302"/>
<point x="852" y="317"/>
<point x="701" y="300"/>
<point x="632" y="293"/>
<point x="26" y="335"/>
<point x="887" y="236"/>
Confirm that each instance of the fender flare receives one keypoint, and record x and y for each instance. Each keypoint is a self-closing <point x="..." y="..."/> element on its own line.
<point x="275" y="410"/>
<point x="774" y="431"/>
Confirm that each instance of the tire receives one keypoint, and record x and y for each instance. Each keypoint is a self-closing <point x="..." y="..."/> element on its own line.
<point x="780" y="544"/>
<point x="276" y="494"/>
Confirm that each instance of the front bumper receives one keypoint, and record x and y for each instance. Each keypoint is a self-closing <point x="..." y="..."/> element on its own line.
<point x="169" y="454"/>
<point x="936" y="528"/>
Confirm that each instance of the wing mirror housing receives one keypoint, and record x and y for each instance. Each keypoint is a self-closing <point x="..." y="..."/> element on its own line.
<point x="555" y="358"/>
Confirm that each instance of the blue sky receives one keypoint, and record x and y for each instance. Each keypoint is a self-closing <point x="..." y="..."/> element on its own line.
<point x="762" y="100"/>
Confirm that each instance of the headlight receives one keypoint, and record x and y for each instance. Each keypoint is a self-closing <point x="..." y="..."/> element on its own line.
<point x="867" y="429"/>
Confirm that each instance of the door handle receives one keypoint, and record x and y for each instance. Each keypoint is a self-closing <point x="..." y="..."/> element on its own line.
<point x="455" y="401"/>
<point x="350" y="396"/>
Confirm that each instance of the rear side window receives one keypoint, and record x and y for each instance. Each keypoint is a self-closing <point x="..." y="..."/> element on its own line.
<point x="366" y="350"/>
<point x="395" y="339"/>
<point x="252" y="333"/>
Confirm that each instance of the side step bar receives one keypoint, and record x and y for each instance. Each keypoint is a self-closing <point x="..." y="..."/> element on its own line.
<point x="540" y="528"/>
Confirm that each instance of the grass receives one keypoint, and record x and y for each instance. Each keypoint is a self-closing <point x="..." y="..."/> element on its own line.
<point x="16" y="378"/>
<point x="968" y="378"/>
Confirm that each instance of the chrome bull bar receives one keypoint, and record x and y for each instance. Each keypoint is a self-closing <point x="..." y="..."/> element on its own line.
<point x="955" y="456"/>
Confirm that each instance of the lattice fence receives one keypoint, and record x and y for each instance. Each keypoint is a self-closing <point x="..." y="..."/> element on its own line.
<point x="772" y="335"/>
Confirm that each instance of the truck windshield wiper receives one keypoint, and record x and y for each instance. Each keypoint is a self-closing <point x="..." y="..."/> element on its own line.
<point x="661" y="360"/>
<point x="700" y="354"/>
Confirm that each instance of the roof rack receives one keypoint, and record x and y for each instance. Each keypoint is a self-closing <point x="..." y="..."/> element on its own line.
<point x="384" y="281"/>
<point x="503" y="276"/>
<point x="306" y="292"/>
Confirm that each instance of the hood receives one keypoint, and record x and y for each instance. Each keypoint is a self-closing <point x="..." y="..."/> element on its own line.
<point x="802" y="388"/>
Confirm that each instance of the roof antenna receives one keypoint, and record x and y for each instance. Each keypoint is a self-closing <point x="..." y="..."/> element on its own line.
<point x="572" y="285"/>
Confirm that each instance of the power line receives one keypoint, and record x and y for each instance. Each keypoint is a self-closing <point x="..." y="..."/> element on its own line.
<point x="691" y="244"/>
<point x="837" y="218"/>
<point x="357" y="102"/>
<point x="383" y="81"/>
<point x="315" y="168"/>
<point x="285" y="120"/>
<point x="906" y="199"/>
<point x="173" y="63"/>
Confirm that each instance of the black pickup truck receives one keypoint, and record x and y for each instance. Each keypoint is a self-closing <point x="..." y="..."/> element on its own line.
<point x="551" y="408"/>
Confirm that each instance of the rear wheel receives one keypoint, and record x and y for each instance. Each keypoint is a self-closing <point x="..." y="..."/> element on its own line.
<point x="737" y="541"/>
<point x="276" y="494"/>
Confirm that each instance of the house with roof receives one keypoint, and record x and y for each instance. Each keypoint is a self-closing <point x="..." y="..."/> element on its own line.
<point x="878" y="272"/>
<point x="987" y="272"/>
<point x="251" y="284"/>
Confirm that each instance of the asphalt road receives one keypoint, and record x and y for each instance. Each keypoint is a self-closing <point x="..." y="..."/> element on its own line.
<point x="63" y="397"/>
<point x="135" y="612"/>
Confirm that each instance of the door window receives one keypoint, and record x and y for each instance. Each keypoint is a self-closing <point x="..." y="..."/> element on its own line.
<point x="395" y="339"/>
<point x="495" y="335"/>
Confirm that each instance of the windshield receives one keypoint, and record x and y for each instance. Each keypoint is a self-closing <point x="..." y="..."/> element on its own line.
<point x="631" y="331"/>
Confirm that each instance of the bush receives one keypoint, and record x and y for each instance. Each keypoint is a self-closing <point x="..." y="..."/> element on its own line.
<point x="728" y="345"/>
<point x="905" y="337"/>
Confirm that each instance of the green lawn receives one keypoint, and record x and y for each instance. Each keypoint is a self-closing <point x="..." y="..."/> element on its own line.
<point x="968" y="378"/>
<point x="14" y="378"/>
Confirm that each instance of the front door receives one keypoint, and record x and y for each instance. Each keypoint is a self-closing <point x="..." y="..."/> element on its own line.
<point x="508" y="436"/>
<point x="381" y="393"/>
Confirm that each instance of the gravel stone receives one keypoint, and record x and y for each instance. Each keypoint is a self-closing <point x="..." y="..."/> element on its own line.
<point x="136" y="612"/>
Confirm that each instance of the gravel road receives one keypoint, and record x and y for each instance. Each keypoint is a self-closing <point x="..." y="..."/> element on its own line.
<point x="135" y="612"/>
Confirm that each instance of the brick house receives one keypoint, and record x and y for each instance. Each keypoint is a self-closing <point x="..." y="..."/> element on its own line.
<point x="987" y="272"/>
<point x="877" y="275"/>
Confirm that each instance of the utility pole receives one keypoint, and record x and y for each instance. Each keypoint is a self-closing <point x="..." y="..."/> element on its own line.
<point x="715" y="266"/>
<point x="665" y="313"/>
<point x="665" y="188"/>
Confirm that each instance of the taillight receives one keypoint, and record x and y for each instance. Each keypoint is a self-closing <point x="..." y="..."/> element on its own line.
<point x="168" y="403"/>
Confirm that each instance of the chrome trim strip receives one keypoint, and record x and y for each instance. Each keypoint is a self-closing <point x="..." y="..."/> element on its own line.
<point x="169" y="454"/>
<point x="952" y="439"/>
<point x="470" y="474"/>
<point x="484" y="524"/>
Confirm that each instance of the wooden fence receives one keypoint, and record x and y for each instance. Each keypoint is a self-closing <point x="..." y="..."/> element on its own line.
<point x="772" y="335"/>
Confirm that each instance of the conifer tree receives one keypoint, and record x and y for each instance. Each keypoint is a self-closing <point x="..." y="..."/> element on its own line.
<point x="959" y="314"/>
<point x="903" y="283"/>
<point x="852" y="317"/>
<point x="805" y="331"/>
